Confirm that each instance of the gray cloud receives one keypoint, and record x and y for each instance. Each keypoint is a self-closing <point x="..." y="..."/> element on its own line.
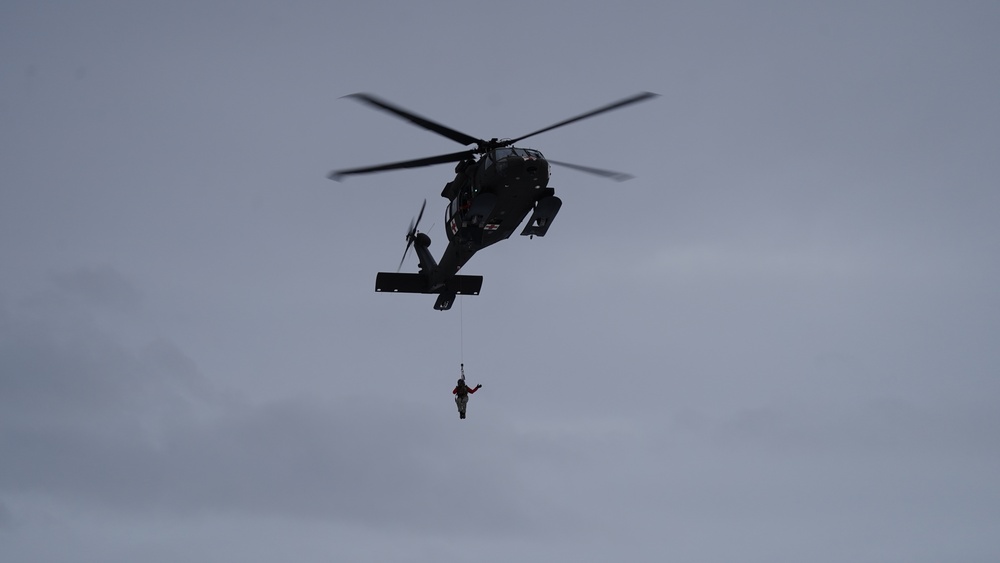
<point x="102" y="285"/>
<point x="90" y="420"/>
<point x="776" y="343"/>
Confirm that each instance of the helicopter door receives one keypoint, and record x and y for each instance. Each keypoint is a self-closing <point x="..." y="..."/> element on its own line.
<point x="481" y="208"/>
<point x="453" y="217"/>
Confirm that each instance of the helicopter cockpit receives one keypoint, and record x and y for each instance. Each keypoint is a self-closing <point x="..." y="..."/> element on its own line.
<point x="505" y="164"/>
<point x="504" y="157"/>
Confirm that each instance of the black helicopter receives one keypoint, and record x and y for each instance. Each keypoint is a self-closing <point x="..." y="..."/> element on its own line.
<point x="496" y="184"/>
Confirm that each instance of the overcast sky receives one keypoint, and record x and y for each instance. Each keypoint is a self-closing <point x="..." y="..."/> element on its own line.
<point x="780" y="342"/>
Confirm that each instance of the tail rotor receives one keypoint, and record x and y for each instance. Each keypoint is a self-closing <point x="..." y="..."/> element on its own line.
<point x="411" y="234"/>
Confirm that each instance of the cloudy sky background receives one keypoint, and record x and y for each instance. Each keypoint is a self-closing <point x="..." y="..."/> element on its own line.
<point x="778" y="343"/>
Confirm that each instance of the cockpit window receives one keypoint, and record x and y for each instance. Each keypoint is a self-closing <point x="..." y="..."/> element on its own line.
<point x="527" y="153"/>
<point x="504" y="154"/>
<point x="507" y="152"/>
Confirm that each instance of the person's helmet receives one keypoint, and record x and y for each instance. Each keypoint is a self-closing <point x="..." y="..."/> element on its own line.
<point x="461" y="382"/>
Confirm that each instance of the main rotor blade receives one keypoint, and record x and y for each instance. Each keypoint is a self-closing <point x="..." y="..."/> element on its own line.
<point x="456" y="136"/>
<point x="620" y="103"/>
<point x="440" y="159"/>
<point x="617" y="176"/>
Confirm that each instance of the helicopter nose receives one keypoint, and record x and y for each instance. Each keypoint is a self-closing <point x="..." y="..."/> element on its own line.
<point x="535" y="167"/>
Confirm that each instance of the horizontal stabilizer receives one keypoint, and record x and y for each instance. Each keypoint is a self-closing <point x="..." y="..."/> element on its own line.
<point x="465" y="285"/>
<point x="402" y="283"/>
<point x="417" y="283"/>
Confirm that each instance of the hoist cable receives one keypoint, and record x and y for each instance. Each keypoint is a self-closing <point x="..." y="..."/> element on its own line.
<point x="461" y="330"/>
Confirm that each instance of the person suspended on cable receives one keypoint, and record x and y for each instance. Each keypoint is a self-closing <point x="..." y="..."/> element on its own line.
<point x="462" y="392"/>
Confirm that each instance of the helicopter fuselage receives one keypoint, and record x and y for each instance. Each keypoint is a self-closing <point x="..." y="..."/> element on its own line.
<point x="488" y="201"/>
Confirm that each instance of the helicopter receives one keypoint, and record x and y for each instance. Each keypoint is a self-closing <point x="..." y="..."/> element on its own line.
<point x="496" y="185"/>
